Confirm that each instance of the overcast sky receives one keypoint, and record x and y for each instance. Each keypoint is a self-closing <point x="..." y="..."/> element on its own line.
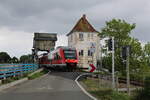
<point x="19" y="19"/>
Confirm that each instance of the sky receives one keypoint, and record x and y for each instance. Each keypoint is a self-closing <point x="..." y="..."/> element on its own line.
<point x="19" y="19"/>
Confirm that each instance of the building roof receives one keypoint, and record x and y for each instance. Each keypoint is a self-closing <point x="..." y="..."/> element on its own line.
<point x="45" y="36"/>
<point x="82" y="26"/>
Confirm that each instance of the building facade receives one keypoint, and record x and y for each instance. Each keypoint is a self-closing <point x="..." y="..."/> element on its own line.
<point x="87" y="42"/>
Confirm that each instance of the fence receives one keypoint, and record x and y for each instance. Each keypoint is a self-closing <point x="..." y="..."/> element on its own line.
<point x="12" y="70"/>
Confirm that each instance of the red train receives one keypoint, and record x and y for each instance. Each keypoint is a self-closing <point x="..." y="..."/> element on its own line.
<point x="61" y="58"/>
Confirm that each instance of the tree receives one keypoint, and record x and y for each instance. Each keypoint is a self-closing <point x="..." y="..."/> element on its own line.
<point x="145" y="61"/>
<point x="147" y="49"/>
<point x="14" y="60"/>
<point x="4" y="57"/>
<point x="26" y="58"/>
<point x="147" y="53"/>
<point x="136" y="49"/>
<point x="121" y="31"/>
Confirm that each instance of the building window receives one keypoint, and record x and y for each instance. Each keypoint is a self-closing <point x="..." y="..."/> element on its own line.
<point x="90" y="53"/>
<point x="71" y="37"/>
<point x="89" y="62"/>
<point x="81" y="36"/>
<point x="92" y="36"/>
<point x="81" y="53"/>
<point x="88" y="35"/>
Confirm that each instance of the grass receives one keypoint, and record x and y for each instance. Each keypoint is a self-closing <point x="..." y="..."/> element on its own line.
<point x="103" y="93"/>
<point x="36" y="75"/>
<point x="12" y="79"/>
<point x="144" y="94"/>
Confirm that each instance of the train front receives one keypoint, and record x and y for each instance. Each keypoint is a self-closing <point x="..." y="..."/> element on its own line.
<point x="71" y="58"/>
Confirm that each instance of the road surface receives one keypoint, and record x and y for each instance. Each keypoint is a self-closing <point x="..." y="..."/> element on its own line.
<point x="55" y="86"/>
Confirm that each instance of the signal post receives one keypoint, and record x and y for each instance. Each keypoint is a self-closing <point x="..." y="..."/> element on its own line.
<point x="111" y="47"/>
<point x="113" y="64"/>
<point x="127" y="69"/>
<point x="126" y="56"/>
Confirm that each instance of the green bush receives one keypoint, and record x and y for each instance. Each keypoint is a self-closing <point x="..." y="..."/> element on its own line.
<point x="109" y="94"/>
<point x="103" y="93"/>
<point x="144" y="94"/>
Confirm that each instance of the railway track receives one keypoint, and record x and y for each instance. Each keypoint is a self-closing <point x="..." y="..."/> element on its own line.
<point x="133" y="82"/>
<point x="120" y="80"/>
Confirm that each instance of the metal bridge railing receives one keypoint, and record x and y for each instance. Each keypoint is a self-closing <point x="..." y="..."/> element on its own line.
<point x="9" y="70"/>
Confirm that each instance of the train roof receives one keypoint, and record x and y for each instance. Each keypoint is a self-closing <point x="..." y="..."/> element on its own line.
<point x="42" y="55"/>
<point x="66" y="48"/>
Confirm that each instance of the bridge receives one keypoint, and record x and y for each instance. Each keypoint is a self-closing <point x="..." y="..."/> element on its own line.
<point x="52" y="86"/>
<point x="43" y="42"/>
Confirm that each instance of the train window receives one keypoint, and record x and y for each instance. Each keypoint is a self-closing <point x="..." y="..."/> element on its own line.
<point x="70" y="54"/>
<point x="56" y="56"/>
<point x="60" y="58"/>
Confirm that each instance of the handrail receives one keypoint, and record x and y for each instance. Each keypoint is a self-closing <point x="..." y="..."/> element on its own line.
<point x="8" y="70"/>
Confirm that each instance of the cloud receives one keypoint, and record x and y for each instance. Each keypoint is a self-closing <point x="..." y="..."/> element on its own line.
<point x="19" y="19"/>
<point x="18" y="42"/>
<point x="42" y="14"/>
<point x="132" y="11"/>
<point x="15" y="43"/>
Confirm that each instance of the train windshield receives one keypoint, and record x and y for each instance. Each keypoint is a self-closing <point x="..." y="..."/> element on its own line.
<point x="70" y="54"/>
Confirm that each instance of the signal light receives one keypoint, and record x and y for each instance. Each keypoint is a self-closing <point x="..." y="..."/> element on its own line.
<point x="110" y="44"/>
<point x="124" y="51"/>
<point x="124" y="54"/>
